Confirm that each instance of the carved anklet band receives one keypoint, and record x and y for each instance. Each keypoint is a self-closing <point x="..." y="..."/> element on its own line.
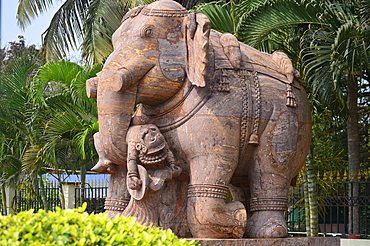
<point x="116" y="204"/>
<point x="272" y="203"/>
<point x="208" y="190"/>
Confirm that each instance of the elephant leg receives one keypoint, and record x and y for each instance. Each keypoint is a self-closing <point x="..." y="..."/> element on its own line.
<point x="118" y="196"/>
<point x="276" y="160"/>
<point x="208" y="214"/>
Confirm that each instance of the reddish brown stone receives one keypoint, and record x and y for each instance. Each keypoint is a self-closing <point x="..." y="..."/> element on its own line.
<point x="234" y="119"/>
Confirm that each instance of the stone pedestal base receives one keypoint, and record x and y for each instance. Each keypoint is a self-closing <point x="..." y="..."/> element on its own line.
<point x="289" y="241"/>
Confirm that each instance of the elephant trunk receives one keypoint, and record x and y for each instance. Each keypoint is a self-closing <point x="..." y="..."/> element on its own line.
<point x="116" y="94"/>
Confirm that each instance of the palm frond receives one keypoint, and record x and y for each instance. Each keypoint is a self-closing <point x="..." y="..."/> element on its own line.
<point x="365" y="12"/>
<point x="283" y="14"/>
<point x="103" y="17"/>
<point x="65" y="31"/>
<point x="219" y="16"/>
<point x="30" y="9"/>
<point x="52" y="79"/>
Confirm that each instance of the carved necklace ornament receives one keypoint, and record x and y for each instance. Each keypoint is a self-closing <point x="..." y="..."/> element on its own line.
<point x="147" y="113"/>
<point x="152" y="159"/>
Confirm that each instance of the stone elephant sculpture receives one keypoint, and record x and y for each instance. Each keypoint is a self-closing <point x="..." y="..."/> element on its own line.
<point x="236" y="120"/>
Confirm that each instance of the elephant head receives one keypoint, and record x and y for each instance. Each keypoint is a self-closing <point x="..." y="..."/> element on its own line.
<point x="156" y="48"/>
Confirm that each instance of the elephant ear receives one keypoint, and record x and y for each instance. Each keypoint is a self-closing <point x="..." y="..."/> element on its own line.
<point x="198" y="30"/>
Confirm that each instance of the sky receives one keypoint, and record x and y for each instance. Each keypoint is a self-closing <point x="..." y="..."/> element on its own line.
<point x="10" y="30"/>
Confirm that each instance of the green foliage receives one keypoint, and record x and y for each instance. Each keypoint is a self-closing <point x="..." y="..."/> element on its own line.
<point x="76" y="227"/>
<point x="77" y="25"/>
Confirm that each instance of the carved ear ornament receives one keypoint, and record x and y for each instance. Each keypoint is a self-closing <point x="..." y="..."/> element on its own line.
<point x="141" y="147"/>
<point x="138" y="146"/>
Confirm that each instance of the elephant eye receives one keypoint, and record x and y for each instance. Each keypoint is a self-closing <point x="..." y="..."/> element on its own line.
<point x="146" y="31"/>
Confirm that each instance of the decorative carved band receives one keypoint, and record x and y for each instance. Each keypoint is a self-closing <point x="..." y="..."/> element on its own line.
<point x="271" y="203"/>
<point x="116" y="204"/>
<point x="245" y="77"/>
<point x="224" y="84"/>
<point x="165" y="13"/>
<point x="257" y="113"/>
<point x="208" y="190"/>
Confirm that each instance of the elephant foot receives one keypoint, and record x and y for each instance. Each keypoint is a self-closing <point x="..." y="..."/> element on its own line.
<point x="104" y="166"/>
<point x="213" y="218"/>
<point x="264" y="224"/>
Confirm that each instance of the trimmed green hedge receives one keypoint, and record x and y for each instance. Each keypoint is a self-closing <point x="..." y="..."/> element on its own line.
<point x="76" y="227"/>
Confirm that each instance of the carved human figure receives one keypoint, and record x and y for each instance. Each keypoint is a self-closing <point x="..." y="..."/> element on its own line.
<point x="148" y="147"/>
<point x="150" y="163"/>
<point x="231" y="115"/>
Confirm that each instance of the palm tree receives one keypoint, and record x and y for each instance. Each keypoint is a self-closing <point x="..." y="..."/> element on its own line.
<point x="17" y="129"/>
<point x="328" y="42"/>
<point x="246" y="19"/>
<point x="85" y="25"/>
<point x="335" y="61"/>
<point x="77" y="22"/>
<point x="68" y="118"/>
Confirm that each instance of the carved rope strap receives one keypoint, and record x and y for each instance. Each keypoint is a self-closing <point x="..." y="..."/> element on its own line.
<point x="164" y="13"/>
<point x="116" y="204"/>
<point x="274" y="203"/>
<point x="185" y="118"/>
<point x="257" y="113"/>
<point x="245" y="77"/>
<point x="208" y="190"/>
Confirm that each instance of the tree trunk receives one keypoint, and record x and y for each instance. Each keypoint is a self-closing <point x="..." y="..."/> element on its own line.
<point x="61" y="195"/>
<point x="353" y="138"/>
<point x="306" y="205"/>
<point x="83" y="184"/>
<point x="312" y="195"/>
<point x="41" y="187"/>
<point x="3" y="198"/>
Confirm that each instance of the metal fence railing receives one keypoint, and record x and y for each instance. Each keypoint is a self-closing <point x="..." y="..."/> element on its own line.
<point x="28" y="198"/>
<point x="338" y="197"/>
<point x="335" y="196"/>
<point x="94" y="195"/>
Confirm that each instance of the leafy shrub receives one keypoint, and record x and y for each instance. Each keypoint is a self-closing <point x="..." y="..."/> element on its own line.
<point x="76" y="227"/>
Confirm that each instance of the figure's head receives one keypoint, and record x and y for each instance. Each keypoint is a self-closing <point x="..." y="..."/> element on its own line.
<point x="148" y="139"/>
